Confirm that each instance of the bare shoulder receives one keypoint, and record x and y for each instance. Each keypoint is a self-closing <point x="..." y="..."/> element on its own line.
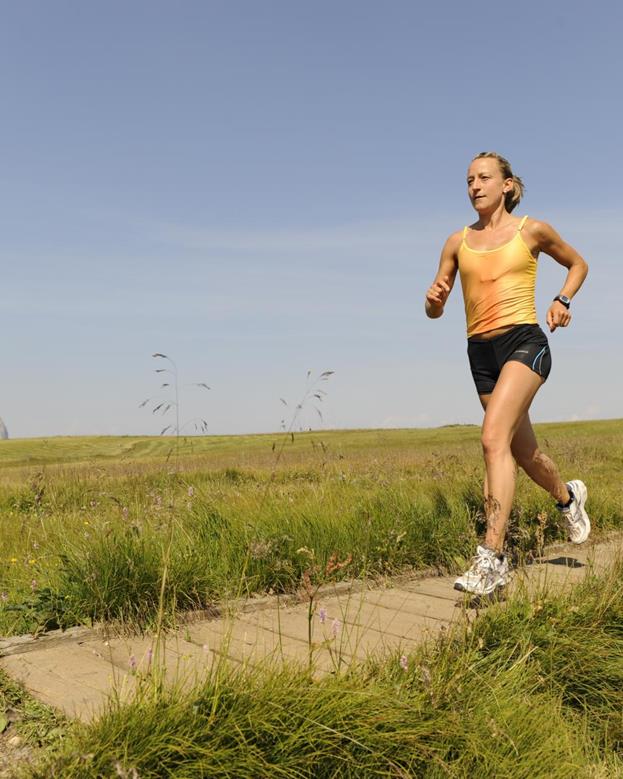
<point x="449" y="261"/>
<point x="548" y="240"/>
<point x="542" y="232"/>
<point x="453" y="242"/>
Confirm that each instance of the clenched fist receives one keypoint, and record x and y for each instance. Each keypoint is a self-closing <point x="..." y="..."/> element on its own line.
<point x="436" y="296"/>
<point x="558" y="315"/>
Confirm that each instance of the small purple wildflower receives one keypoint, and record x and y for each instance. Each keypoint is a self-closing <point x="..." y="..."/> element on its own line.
<point x="132" y="663"/>
<point x="335" y="627"/>
<point x="404" y="663"/>
<point x="322" y="614"/>
<point x="191" y="491"/>
<point x="150" y="656"/>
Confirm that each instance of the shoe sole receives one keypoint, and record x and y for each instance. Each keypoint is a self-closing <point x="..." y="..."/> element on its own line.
<point x="460" y="588"/>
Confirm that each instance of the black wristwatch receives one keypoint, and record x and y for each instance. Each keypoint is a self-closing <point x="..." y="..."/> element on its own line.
<point x="564" y="300"/>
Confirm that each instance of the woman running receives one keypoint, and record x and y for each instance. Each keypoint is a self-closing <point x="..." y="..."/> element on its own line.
<point x="508" y="352"/>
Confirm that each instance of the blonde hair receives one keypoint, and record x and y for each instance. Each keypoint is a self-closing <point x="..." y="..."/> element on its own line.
<point x="512" y="198"/>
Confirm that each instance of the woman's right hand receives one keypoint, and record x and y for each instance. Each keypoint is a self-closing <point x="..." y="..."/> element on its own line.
<point x="437" y="294"/>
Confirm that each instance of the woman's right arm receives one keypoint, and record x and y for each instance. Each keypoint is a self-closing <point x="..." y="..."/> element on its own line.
<point x="438" y="292"/>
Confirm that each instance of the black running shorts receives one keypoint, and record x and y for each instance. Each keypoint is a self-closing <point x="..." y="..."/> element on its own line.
<point x="523" y="343"/>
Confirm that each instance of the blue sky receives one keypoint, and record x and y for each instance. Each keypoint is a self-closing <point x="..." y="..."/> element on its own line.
<point x="263" y="189"/>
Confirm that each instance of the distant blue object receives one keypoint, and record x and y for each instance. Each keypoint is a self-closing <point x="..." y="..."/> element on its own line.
<point x="4" y="433"/>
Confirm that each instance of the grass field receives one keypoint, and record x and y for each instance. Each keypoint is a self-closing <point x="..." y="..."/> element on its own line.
<point x="132" y="529"/>
<point x="89" y="525"/>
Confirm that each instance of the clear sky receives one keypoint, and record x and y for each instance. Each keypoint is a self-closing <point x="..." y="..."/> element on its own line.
<point x="259" y="189"/>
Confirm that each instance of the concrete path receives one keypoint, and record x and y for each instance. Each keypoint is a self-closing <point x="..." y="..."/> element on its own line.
<point x="77" y="670"/>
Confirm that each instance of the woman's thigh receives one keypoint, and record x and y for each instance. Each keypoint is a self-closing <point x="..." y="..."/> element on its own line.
<point x="510" y="400"/>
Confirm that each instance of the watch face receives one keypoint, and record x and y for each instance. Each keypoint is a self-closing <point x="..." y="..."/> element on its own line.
<point x="564" y="299"/>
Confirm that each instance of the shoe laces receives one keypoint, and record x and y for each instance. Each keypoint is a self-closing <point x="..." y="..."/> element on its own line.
<point x="483" y="561"/>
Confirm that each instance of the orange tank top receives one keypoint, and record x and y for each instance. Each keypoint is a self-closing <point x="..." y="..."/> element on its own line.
<point x="498" y="284"/>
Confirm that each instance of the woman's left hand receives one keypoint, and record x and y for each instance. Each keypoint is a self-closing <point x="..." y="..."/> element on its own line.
<point x="558" y="315"/>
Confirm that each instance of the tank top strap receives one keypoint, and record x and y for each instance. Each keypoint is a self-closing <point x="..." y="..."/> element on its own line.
<point x="465" y="232"/>
<point x="521" y="224"/>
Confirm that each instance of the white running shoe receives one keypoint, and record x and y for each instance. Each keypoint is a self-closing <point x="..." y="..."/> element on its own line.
<point x="578" y="523"/>
<point x="486" y="574"/>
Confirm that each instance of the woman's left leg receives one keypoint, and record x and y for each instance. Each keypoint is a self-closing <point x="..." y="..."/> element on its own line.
<point x="505" y="409"/>
<point x="537" y="465"/>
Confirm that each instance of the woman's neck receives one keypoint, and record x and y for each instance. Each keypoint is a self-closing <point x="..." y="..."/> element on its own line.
<point x="494" y="219"/>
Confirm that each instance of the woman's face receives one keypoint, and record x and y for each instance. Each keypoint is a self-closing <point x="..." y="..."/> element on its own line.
<point x="485" y="185"/>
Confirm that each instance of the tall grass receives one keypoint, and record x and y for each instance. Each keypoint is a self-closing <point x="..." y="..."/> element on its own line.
<point x="87" y="542"/>
<point x="532" y="688"/>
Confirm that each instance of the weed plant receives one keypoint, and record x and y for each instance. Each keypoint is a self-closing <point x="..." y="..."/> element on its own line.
<point x="37" y="727"/>
<point x="530" y="688"/>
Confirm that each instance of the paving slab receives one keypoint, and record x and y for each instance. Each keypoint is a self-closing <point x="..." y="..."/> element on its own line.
<point x="136" y="655"/>
<point x="247" y="642"/>
<point x="77" y="671"/>
<point x="438" y="586"/>
<point x="417" y="603"/>
<point x="69" y="678"/>
<point x="254" y="646"/>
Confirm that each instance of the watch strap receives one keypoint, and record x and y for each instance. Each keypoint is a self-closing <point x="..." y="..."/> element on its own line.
<point x="564" y="300"/>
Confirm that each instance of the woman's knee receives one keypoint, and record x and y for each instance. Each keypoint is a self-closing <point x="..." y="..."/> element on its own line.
<point x="494" y="441"/>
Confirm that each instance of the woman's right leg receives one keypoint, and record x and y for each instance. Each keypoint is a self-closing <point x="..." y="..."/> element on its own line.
<point x="506" y="407"/>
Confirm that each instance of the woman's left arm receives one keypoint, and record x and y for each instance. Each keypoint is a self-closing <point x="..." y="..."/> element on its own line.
<point x="549" y="242"/>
